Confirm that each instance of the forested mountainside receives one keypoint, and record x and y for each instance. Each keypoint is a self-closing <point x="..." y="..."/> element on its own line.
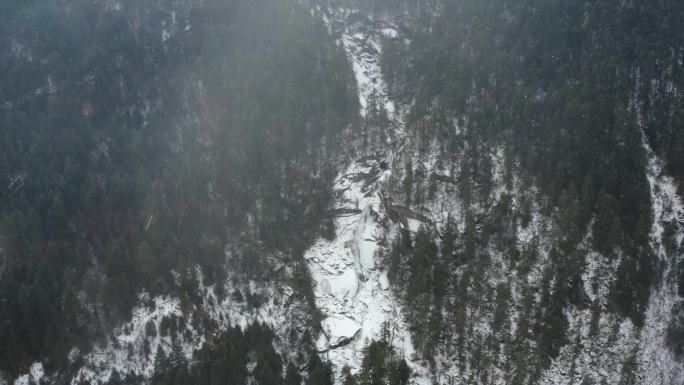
<point x="143" y="140"/>
<point x="358" y="192"/>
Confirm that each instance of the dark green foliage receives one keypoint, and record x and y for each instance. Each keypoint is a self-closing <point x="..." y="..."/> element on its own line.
<point x="675" y="331"/>
<point x="568" y="90"/>
<point x="551" y="335"/>
<point x="292" y="376"/>
<point x="449" y="237"/>
<point x="631" y="291"/>
<point x="470" y="241"/>
<point x="320" y="373"/>
<point x="427" y="283"/>
<point x="503" y="296"/>
<point x="171" y="369"/>
<point x="402" y="247"/>
<point x="629" y="372"/>
<point x="595" y="319"/>
<point x="521" y="343"/>
<point x="607" y="229"/>
<point x="347" y="377"/>
<point x="142" y="155"/>
<point x="400" y="373"/>
<point x="224" y="360"/>
<point x="380" y="366"/>
<point x="681" y="279"/>
<point x="395" y="262"/>
<point x="374" y="370"/>
<point x="408" y="182"/>
<point x="150" y="329"/>
<point x="269" y="366"/>
<point x="303" y="283"/>
<point x="421" y="264"/>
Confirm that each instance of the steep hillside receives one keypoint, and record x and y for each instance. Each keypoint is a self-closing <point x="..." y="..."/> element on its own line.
<point x="505" y="269"/>
<point x="143" y="143"/>
<point x="359" y="192"/>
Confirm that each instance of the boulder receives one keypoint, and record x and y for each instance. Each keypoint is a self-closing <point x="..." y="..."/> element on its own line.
<point x="340" y="330"/>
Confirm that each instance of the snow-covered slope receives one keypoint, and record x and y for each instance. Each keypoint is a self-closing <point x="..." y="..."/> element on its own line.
<point x="352" y="289"/>
<point x="34" y="376"/>
<point x="364" y="48"/>
<point x="132" y="346"/>
<point x="351" y="285"/>
<point x="657" y="363"/>
<point x="604" y="357"/>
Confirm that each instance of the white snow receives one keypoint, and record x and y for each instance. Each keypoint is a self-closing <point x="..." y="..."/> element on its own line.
<point x="344" y="285"/>
<point x="604" y="355"/>
<point x="389" y="32"/>
<point x="364" y="49"/>
<point x="355" y="316"/>
<point x="35" y="374"/>
<point x="363" y="245"/>
<point x="657" y="363"/>
<point x="364" y="53"/>
<point x="339" y="329"/>
<point x="351" y="285"/>
<point x="353" y="291"/>
<point x="356" y="248"/>
<point x="114" y="356"/>
<point x="131" y="337"/>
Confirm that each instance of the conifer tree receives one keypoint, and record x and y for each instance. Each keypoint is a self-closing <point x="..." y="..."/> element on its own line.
<point x="449" y="238"/>
<point x="292" y="376"/>
<point x="408" y="182"/>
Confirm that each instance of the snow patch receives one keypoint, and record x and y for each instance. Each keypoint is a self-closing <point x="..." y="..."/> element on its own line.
<point x="35" y="374"/>
<point x="131" y="349"/>
<point x="339" y="329"/>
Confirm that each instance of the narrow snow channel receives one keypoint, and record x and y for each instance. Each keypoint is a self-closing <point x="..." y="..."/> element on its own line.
<point x="351" y="285"/>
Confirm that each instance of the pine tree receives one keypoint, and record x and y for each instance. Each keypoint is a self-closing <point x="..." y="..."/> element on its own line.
<point x="348" y="377"/>
<point x="432" y="187"/>
<point x="503" y="295"/>
<point x="292" y="376"/>
<point x="320" y="373"/>
<point x="161" y="366"/>
<point x="423" y="258"/>
<point x="403" y="373"/>
<point x="586" y="203"/>
<point x="594" y="323"/>
<point x="408" y="181"/>
<point x="264" y="375"/>
<point x="57" y="218"/>
<point x="177" y="357"/>
<point x="607" y="229"/>
<point x="470" y="238"/>
<point x="464" y="182"/>
<point x="552" y="324"/>
<point x="395" y="264"/>
<point x="681" y="279"/>
<point x="434" y="331"/>
<point x="373" y="367"/>
<point x="677" y="150"/>
<point x="449" y="237"/>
